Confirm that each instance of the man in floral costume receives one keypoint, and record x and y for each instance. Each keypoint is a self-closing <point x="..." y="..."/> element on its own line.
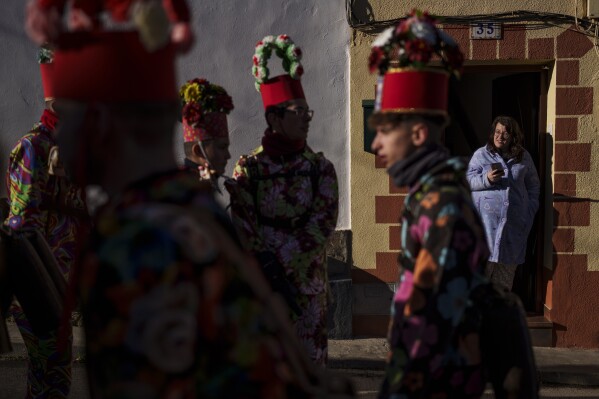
<point x="284" y="199"/>
<point x="43" y="200"/>
<point x="205" y="129"/>
<point x="172" y="306"/>
<point x="440" y="307"/>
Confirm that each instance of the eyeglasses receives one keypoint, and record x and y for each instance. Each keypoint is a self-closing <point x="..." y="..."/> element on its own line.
<point x="505" y="135"/>
<point x="301" y="112"/>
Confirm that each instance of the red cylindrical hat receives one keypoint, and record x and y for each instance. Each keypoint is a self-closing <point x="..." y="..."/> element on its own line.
<point x="406" y="90"/>
<point x="213" y="125"/>
<point x="112" y="67"/>
<point x="281" y="89"/>
<point x="47" y="72"/>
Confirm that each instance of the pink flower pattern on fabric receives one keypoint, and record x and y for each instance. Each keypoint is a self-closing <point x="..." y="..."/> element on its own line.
<point x="419" y="230"/>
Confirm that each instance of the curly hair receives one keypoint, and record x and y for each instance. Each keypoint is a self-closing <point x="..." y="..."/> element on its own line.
<point x="516" y="144"/>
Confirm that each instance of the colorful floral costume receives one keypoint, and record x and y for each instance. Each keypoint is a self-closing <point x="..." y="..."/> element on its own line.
<point x="171" y="303"/>
<point x="50" y="204"/>
<point x="434" y="332"/>
<point x="288" y="206"/>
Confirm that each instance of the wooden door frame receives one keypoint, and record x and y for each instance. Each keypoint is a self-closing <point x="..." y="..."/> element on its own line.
<point x="544" y="169"/>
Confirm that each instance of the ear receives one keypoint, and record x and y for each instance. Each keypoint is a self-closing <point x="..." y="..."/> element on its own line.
<point x="273" y="120"/>
<point x="196" y="150"/>
<point x="420" y="134"/>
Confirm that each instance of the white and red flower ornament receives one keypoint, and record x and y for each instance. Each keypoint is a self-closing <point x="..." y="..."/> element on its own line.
<point x="413" y="43"/>
<point x="284" y="48"/>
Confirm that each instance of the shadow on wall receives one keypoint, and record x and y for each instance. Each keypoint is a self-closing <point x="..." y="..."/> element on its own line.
<point x="339" y="261"/>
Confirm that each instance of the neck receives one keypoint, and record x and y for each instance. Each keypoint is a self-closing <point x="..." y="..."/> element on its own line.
<point x="122" y="171"/>
<point x="407" y="172"/>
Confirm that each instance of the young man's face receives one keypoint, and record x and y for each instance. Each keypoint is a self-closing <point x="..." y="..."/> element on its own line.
<point x="393" y="142"/>
<point x="217" y="151"/>
<point x="295" y="121"/>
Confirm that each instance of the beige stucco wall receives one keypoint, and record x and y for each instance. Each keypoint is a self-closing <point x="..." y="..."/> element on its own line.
<point x="369" y="237"/>
<point x="587" y="183"/>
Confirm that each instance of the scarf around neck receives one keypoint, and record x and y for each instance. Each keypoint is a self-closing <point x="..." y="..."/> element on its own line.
<point x="407" y="171"/>
<point x="49" y="119"/>
<point x="276" y="145"/>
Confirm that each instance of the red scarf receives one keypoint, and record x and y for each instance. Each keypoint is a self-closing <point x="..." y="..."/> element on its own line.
<point x="277" y="145"/>
<point x="49" y="119"/>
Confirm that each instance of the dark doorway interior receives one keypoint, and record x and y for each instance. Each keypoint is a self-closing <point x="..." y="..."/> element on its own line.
<point x="475" y="100"/>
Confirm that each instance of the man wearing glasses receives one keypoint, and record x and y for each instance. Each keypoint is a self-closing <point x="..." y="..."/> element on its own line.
<point x="284" y="203"/>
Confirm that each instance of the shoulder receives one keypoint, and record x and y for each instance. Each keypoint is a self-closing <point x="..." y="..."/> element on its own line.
<point x="482" y="152"/>
<point x="319" y="160"/>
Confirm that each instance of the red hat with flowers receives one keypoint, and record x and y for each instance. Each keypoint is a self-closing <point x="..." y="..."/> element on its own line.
<point x="281" y="88"/>
<point x="401" y="54"/>
<point x="205" y="110"/>
<point x="112" y="67"/>
<point x="45" y="59"/>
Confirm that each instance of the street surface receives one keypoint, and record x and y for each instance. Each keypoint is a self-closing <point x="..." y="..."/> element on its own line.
<point x="12" y="386"/>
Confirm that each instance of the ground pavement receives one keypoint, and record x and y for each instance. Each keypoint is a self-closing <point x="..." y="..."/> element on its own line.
<point x="564" y="373"/>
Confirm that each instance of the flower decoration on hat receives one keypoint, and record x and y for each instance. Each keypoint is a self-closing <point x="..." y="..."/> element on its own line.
<point x="413" y="43"/>
<point x="45" y="55"/>
<point x="202" y="100"/>
<point x="284" y="48"/>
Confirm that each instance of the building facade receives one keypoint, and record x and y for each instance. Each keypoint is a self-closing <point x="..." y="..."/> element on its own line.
<point x="541" y="70"/>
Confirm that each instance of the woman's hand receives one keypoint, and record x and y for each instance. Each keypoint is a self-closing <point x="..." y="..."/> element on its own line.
<point x="494" y="175"/>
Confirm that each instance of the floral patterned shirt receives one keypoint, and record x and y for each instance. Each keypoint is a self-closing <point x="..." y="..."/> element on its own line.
<point x="172" y="307"/>
<point x="434" y="332"/>
<point x="289" y="207"/>
<point x="42" y="201"/>
<point x="300" y="249"/>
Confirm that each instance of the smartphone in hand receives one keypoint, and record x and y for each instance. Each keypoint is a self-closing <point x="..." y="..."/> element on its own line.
<point x="497" y="166"/>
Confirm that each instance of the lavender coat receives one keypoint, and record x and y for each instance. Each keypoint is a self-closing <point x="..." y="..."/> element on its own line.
<point x="507" y="208"/>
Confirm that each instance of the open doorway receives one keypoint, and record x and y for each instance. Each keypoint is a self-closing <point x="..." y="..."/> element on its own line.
<point x="483" y="93"/>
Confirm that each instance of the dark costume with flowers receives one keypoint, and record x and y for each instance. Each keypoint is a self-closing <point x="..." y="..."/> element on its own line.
<point x="284" y="202"/>
<point x="43" y="201"/>
<point x="165" y="294"/>
<point x="434" y="334"/>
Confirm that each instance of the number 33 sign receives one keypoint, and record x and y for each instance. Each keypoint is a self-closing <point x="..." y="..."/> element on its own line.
<point x="485" y="30"/>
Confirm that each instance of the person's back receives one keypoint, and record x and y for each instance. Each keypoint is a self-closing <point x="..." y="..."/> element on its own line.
<point x="435" y="332"/>
<point x="166" y="294"/>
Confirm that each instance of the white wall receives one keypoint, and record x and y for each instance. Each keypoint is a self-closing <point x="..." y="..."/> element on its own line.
<point x="227" y="31"/>
<point x="21" y="97"/>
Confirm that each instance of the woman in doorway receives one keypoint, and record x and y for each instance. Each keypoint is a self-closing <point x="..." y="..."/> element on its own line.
<point x="505" y="189"/>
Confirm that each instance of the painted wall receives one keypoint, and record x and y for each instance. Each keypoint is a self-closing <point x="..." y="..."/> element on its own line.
<point x="227" y="31"/>
<point x="572" y="255"/>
